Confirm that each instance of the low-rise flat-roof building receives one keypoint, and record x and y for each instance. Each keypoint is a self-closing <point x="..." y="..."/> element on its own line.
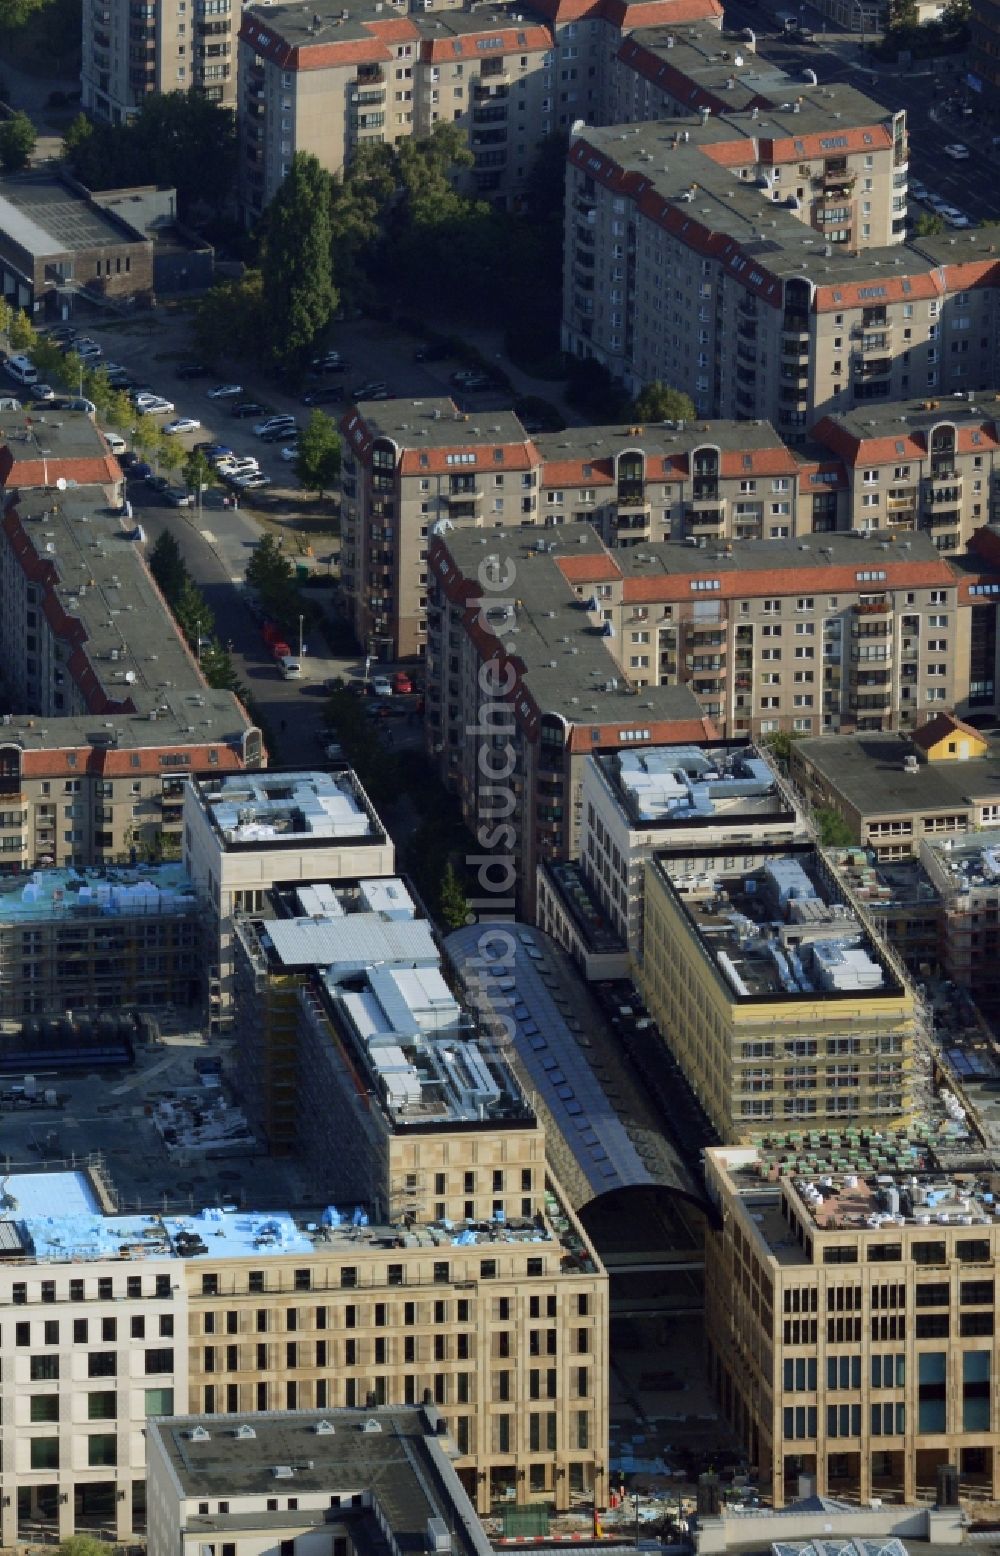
<point x="243" y="836"/>
<point x="57" y="240"/>
<point x="568" y="908"/>
<point x="773" y="992"/>
<point x="891" y="797"/>
<point x="850" y="1313"/>
<point x="636" y="803"/>
<point x="378" y="1479"/>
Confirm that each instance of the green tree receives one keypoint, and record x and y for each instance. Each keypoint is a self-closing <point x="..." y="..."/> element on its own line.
<point x="928" y="225"/>
<point x="81" y="1545"/>
<point x="317" y="463"/>
<point x="17" y="141"/>
<point x="78" y="136"/>
<point x="658" y="402"/>
<point x="198" y="471"/>
<point x="6" y="317"/>
<point x="193" y="613"/>
<point x="268" y="571"/>
<point x="453" y="904"/>
<point x="299" y="296"/>
<point x="218" y="669"/>
<point x="21" y="333"/>
<point x="167" y="567"/>
<point x="230" y="319"/>
<point x="833" y="830"/>
<point x="48" y="359"/>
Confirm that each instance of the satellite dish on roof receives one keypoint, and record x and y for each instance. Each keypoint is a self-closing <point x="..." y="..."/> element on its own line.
<point x="61" y="484"/>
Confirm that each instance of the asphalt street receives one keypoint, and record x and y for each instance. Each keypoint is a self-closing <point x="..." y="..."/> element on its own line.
<point x="921" y="88"/>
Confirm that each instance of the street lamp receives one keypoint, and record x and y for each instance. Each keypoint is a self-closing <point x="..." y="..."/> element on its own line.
<point x="301" y="620"/>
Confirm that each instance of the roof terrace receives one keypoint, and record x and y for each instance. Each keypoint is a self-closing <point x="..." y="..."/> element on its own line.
<point x="274" y="808"/>
<point x="683" y="785"/>
<point x="379" y="981"/>
<point x="780" y="929"/>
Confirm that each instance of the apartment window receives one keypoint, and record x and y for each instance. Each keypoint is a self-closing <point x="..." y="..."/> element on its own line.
<point x="160" y="1360"/>
<point x="102" y="1406"/>
<point x="45" y="1453"/>
<point x="102" y="1364"/>
<point x="102" y="1450"/>
<point x="44" y="1407"/>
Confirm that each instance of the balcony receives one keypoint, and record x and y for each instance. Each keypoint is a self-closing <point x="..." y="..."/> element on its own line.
<point x="943" y="518"/>
<point x="700" y="519"/>
<point x="492" y="87"/>
<point x="632" y="498"/>
<point x="873" y="608"/>
<point x="943" y="488"/>
<point x="837" y="178"/>
<point x="864" y="372"/>
<point x="794" y="326"/>
<point x="463" y="494"/>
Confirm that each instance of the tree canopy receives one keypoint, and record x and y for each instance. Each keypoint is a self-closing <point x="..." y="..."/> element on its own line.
<point x="17" y="141"/>
<point x="317" y="463"/>
<point x="297" y="290"/>
<point x="178" y="138"/>
<point x="658" y="402"/>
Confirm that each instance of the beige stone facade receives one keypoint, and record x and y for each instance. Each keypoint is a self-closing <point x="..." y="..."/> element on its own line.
<point x="851" y="1332"/>
<point x="803" y="306"/>
<point x="132" y="49"/>
<point x="328" y="83"/>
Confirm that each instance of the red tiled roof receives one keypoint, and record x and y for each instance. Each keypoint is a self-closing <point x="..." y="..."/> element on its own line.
<point x="570" y="472"/>
<point x="891" y="289"/>
<point x="534" y="38"/>
<point x="598" y="567"/>
<point x="435" y="461"/>
<point x="939" y="728"/>
<point x="745" y="583"/>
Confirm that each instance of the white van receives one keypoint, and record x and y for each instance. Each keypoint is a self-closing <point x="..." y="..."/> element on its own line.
<point x="23" y="369"/>
<point x="116" y="443"/>
<point x="290" y="668"/>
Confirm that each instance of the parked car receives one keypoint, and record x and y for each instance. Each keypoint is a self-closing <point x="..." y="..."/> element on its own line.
<point x="183" y="424"/>
<point x="139" y="470"/>
<point x="157" y="483"/>
<point x="369" y="391"/>
<point x="280" y="649"/>
<point x="212" y="450"/>
<point x="274" y="424"/>
<point x="381" y="686"/>
<point x="152" y="404"/>
<point x="177" y="498"/>
<point x="324" y="395"/>
<point x="42" y="392"/>
<point x="84" y="347"/>
<point x="954" y="217"/>
<point x="401" y="684"/>
<point x="224" y="391"/>
<point x="290" y="668"/>
<point x="116" y="443"/>
<point x="252" y="481"/>
<point x="245" y="410"/>
<point x="290" y="453"/>
<point x="957" y="152"/>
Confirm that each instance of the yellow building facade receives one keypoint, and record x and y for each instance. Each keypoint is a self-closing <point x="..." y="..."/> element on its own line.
<point x="774" y="993"/>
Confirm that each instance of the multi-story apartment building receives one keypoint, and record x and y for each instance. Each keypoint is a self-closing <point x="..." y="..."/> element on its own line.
<point x="111" y="711"/>
<point x="522" y="688"/>
<point x="850" y="1315"/>
<point x="244" y="835"/>
<point x="984" y="52"/>
<point x="804" y="298"/>
<point x="356" y="1480"/>
<point x="856" y="633"/>
<point x="964" y="872"/>
<point x="313" y="79"/>
<point x="917" y="465"/>
<point x="407" y="465"/>
<point x="773" y="991"/>
<point x="132" y="48"/>
<point x="636" y="803"/>
<point x="75" y="940"/>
